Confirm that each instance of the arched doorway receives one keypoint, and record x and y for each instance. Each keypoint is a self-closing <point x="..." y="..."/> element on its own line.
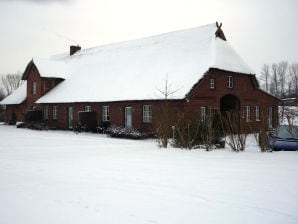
<point x="229" y="102"/>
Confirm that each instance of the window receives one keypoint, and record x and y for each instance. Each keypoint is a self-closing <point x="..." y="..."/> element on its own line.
<point x="45" y="112"/>
<point x="230" y="83"/>
<point x="55" y="112"/>
<point x="147" y="114"/>
<point x="105" y="113"/>
<point x="203" y="114"/>
<point x="248" y="118"/>
<point x="128" y="117"/>
<point x="88" y="108"/>
<point x="70" y="117"/>
<point x="212" y="83"/>
<point x="270" y="117"/>
<point x="258" y="113"/>
<point x="33" y="88"/>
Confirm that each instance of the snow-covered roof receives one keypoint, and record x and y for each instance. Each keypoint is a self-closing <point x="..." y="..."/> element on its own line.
<point x="226" y="58"/>
<point x="17" y="97"/>
<point x="135" y="70"/>
<point x="51" y="68"/>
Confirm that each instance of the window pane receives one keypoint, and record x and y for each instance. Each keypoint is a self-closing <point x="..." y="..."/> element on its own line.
<point x="87" y="108"/>
<point x="33" y="88"/>
<point x="105" y="113"/>
<point x="247" y="113"/>
<point x="55" y="112"/>
<point x="211" y="83"/>
<point x="45" y="112"/>
<point x="203" y="114"/>
<point x="230" y="82"/>
<point x="257" y="113"/>
<point x="147" y="114"/>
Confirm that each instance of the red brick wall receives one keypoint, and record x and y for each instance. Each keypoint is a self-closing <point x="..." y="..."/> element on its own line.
<point x="19" y="110"/>
<point x="243" y="89"/>
<point x="43" y="85"/>
<point x="116" y="112"/>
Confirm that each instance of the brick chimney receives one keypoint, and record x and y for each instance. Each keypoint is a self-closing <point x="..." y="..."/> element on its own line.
<point x="73" y="49"/>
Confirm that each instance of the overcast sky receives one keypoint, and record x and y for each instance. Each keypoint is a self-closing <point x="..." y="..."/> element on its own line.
<point x="261" y="31"/>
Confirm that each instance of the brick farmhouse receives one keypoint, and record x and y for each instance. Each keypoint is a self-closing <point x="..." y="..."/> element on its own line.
<point x="122" y="82"/>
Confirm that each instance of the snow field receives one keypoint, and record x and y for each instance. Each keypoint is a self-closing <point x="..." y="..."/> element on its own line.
<point x="60" y="177"/>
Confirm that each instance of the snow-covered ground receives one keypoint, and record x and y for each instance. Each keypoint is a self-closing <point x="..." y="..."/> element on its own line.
<point x="58" y="177"/>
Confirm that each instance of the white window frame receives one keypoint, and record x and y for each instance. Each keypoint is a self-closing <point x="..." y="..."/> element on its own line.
<point x="55" y="112"/>
<point x="88" y="108"/>
<point x="212" y="83"/>
<point x="203" y="114"/>
<point x="46" y="112"/>
<point x="230" y="82"/>
<point x="258" y="113"/>
<point x="248" y="113"/>
<point x="105" y="113"/>
<point x="147" y="114"/>
<point x="33" y="88"/>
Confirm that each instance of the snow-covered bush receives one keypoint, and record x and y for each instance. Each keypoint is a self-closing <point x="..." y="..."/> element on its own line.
<point x="33" y="125"/>
<point x="130" y="133"/>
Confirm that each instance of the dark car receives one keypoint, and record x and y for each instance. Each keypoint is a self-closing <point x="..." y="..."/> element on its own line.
<point x="285" y="138"/>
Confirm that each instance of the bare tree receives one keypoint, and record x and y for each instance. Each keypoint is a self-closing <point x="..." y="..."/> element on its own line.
<point x="208" y="130"/>
<point x="293" y="70"/>
<point x="262" y="134"/>
<point x="274" y="81"/>
<point x="280" y="79"/>
<point x="265" y="76"/>
<point x="164" y="119"/>
<point x="233" y="126"/>
<point x="187" y="132"/>
<point x="282" y="69"/>
<point x="10" y="82"/>
<point x="2" y="95"/>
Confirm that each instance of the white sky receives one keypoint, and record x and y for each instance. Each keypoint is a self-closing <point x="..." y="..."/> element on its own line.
<point x="261" y="31"/>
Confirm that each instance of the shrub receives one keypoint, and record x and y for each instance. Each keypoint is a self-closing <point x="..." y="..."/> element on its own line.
<point x="233" y="127"/>
<point x="187" y="132"/>
<point x="130" y="133"/>
<point x="103" y="126"/>
<point x="193" y="133"/>
<point x="262" y="135"/>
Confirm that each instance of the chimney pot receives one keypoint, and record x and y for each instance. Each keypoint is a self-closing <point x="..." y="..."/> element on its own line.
<point x="73" y="49"/>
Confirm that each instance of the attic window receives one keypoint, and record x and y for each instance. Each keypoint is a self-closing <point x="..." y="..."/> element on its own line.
<point x="212" y="83"/>
<point x="33" y="88"/>
<point x="230" y="82"/>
